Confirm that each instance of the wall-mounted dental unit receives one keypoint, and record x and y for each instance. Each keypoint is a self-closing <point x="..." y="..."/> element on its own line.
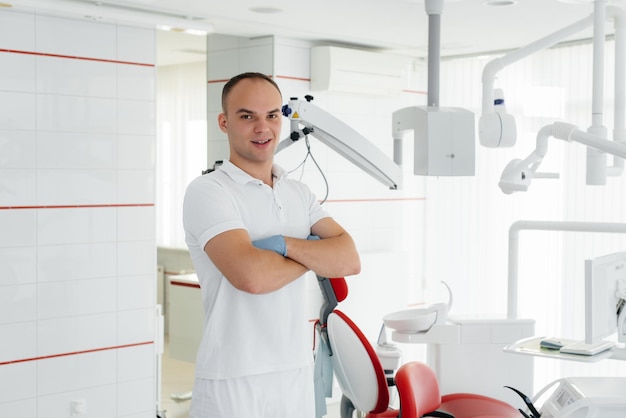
<point x="497" y="128"/>
<point x="443" y="136"/>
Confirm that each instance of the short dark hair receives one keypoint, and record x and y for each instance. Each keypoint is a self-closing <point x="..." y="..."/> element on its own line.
<point x="236" y="79"/>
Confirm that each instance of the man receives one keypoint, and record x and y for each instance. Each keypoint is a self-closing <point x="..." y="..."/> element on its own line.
<point x="246" y="227"/>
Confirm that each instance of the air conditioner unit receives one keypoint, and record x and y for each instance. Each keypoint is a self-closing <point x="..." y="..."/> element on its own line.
<point x="357" y="71"/>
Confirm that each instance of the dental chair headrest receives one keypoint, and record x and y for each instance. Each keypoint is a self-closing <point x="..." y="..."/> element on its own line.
<point x="340" y="287"/>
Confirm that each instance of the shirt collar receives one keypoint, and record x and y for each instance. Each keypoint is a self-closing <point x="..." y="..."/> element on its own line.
<point x="241" y="177"/>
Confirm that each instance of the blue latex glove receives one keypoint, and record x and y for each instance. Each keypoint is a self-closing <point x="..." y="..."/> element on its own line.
<point x="274" y="243"/>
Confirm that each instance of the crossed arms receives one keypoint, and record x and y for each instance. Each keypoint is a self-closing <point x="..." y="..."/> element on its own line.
<point x="259" y="270"/>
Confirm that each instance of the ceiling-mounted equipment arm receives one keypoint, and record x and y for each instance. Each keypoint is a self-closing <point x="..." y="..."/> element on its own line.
<point x="518" y="174"/>
<point x="496" y="128"/>
<point x="307" y="119"/>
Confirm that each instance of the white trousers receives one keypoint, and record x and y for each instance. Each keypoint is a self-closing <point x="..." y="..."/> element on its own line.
<point x="288" y="394"/>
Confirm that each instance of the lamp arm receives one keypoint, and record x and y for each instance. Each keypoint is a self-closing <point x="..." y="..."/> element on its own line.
<point x="341" y="138"/>
<point x="496" y="65"/>
<point x="496" y="127"/>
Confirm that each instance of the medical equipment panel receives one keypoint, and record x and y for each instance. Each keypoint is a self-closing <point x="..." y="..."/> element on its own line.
<point x="585" y="397"/>
<point x="605" y="290"/>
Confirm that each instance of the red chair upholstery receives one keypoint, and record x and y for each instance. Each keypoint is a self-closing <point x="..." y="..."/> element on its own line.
<point x="418" y="390"/>
<point x="471" y="405"/>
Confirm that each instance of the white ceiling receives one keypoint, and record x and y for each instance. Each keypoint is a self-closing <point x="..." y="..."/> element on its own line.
<point x="400" y="26"/>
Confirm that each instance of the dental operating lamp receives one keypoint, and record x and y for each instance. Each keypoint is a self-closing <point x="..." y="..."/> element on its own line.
<point x="308" y="119"/>
<point x="518" y="174"/>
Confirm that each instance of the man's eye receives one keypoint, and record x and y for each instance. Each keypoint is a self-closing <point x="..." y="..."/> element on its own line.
<point x="272" y="116"/>
<point x="246" y="116"/>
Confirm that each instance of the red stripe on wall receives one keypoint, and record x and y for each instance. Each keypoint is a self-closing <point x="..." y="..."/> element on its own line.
<point x="415" y="91"/>
<point x="43" y="54"/>
<point x="126" y="205"/>
<point x="286" y="77"/>
<point x="104" y="205"/>
<point x="184" y="284"/>
<point x="94" y="350"/>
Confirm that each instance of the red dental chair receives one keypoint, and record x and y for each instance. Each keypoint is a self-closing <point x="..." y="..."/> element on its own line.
<point x="363" y="382"/>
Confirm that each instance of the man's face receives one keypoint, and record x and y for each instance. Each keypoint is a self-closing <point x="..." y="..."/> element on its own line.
<point x="252" y="121"/>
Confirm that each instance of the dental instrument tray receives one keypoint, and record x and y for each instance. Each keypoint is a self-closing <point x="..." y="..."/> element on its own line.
<point x="538" y="346"/>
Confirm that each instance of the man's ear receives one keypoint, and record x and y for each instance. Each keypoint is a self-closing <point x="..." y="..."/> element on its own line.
<point x="221" y="121"/>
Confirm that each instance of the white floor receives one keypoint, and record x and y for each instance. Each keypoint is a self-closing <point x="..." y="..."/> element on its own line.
<point x="177" y="380"/>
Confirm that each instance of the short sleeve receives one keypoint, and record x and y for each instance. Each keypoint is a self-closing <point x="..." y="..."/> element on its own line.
<point x="208" y="210"/>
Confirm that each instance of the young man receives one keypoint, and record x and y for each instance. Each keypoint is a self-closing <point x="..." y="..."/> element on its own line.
<point x="246" y="227"/>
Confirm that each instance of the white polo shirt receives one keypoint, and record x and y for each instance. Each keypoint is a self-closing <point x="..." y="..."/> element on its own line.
<point x="246" y="334"/>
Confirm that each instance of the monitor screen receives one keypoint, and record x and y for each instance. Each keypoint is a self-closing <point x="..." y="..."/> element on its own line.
<point x="602" y="275"/>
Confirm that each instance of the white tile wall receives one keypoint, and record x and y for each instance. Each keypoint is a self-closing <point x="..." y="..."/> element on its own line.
<point x="17" y="72"/>
<point x="135" y="82"/>
<point x="135" y="117"/>
<point x="22" y="408"/>
<point x="17" y="31"/>
<point x="135" y="325"/>
<point x="135" y="152"/>
<point x="18" y="228"/>
<point x="84" y="39"/>
<point x="71" y="373"/>
<point x="76" y="261"/>
<point x="19" y="265"/>
<point x="19" y="341"/>
<point x="17" y="110"/>
<point x="76" y="226"/>
<point x="135" y="223"/>
<point x="77" y="161"/>
<point x="18" y="304"/>
<point x="75" y="187"/>
<point x="75" y="77"/>
<point x="76" y="333"/>
<point x="95" y="399"/>
<point x="76" y="297"/>
<point x="136" y="45"/>
<point x="18" y="382"/>
<point x="129" y="252"/>
<point x="89" y="150"/>
<point x="18" y="149"/>
<point x="132" y="395"/>
<point x="135" y="292"/>
<point x="18" y="187"/>
<point x="135" y="363"/>
<point x="76" y="114"/>
<point x="135" y="186"/>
